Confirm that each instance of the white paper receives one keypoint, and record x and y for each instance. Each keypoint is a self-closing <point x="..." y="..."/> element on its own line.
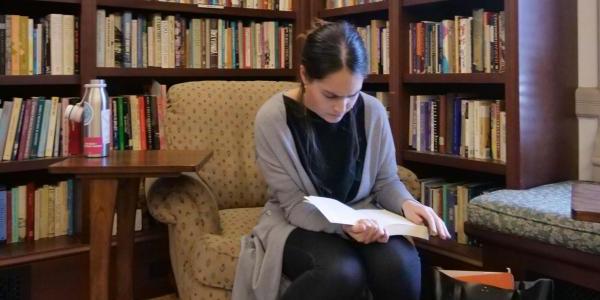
<point x="339" y="213"/>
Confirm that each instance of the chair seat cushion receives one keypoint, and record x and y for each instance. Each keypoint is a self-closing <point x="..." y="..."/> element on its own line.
<point x="542" y="213"/>
<point x="215" y="255"/>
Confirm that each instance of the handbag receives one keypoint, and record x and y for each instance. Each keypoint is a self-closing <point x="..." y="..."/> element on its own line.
<point x="449" y="288"/>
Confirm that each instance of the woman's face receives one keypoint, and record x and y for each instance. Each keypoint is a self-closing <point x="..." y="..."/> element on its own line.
<point x="333" y="96"/>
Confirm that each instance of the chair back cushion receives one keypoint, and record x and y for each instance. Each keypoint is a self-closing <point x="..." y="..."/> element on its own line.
<point x="219" y="115"/>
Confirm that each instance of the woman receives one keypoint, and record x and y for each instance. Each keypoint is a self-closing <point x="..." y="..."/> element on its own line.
<point x="327" y="138"/>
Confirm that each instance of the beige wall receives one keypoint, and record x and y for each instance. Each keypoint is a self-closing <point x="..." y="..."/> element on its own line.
<point x="588" y="78"/>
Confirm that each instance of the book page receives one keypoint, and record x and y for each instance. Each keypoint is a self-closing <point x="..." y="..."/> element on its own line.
<point x="395" y="224"/>
<point x="335" y="211"/>
<point x="339" y="213"/>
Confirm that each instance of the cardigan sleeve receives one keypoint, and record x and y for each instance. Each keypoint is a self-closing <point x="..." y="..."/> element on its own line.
<point x="273" y="147"/>
<point x="389" y="191"/>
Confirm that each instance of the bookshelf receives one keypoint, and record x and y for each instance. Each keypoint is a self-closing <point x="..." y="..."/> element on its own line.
<point x="44" y="249"/>
<point x="541" y="135"/>
<point x="154" y="273"/>
<point x="536" y="86"/>
<point x="28" y="80"/>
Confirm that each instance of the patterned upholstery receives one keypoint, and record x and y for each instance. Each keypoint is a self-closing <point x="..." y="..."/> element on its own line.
<point x="542" y="213"/>
<point x="220" y="115"/>
<point x="204" y="232"/>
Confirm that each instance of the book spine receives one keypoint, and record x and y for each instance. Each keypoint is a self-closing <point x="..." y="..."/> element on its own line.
<point x="19" y="130"/>
<point x="23" y="140"/>
<point x="155" y="128"/>
<point x="30" y="219"/>
<point x="2" y="49"/>
<point x="3" y="212"/>
<point x="148" y="121"/>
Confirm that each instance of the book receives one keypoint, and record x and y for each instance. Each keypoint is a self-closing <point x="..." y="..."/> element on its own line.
<point x="339" y="213"/>
<point x="503" y="280"/>
<point x="584" y="201"/>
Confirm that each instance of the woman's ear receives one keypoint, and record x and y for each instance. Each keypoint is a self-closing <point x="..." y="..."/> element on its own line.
<point x="303" y="76"/>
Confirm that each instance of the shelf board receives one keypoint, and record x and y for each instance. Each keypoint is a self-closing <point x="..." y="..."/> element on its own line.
<point x="378" y="78"/>
<point x="407" y="3"/>
<point x="38" y="79"/>
<point x="28" y="165"/>
<point x="28" y="252"/>
<point x="454" y="161"/>
<point x="59" y="1"/>
<point x="470" y="78"/>
<point x="355" y="9"/>
<point x="184" y="72"/>
<point x="190" y="8"/>
<point x="464" y="253"/>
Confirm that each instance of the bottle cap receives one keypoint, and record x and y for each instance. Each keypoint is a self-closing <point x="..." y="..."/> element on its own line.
<point x="74" y="113"/>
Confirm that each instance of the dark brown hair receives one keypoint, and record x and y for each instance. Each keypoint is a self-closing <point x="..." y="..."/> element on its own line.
<point x="330" y="47"/>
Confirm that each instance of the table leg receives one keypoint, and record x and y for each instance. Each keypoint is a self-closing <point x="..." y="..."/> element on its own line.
<point x="102" y="194"/>
<point x="126" y="205"/>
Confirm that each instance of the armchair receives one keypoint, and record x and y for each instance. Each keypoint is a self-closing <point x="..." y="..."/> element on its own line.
<point x="208" y="213"/>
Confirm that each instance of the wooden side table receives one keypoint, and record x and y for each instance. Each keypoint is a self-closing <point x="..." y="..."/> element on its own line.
<point x="118" y="177"/>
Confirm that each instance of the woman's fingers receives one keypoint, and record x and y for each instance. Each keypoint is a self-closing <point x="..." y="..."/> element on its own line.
<point x="442" y="230"/>
<point x="384" y="238"/>
<point x="430" y="218"/>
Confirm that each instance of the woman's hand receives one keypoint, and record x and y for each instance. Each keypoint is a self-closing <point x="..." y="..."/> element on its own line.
<point x="421" y="214"/>
<point x="366" y="231"/>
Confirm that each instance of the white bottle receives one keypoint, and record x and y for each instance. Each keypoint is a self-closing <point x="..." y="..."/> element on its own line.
<point x="96" y="119"/>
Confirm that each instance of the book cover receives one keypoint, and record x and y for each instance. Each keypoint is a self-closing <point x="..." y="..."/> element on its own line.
<point x="503" y="280"/>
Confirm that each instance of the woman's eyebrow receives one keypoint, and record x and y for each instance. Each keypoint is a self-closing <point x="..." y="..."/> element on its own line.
<point x="337" y="96"/>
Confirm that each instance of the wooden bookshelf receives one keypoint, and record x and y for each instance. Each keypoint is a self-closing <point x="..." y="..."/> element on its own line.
<point x="378" y="78"/>
<point x="533" y="154"/>
<point x="28" y="165"/>
<point x="56" y="250"/>
<point x="533" y="142"/>
<point x="234" y="12"/>
<point x="472" y="78"/>
<point x="27" y="80"/>
<point x="409" y="3"/>
<point x="49" y="248"/>
<point x="187" y="72"/>
<point x="454" y="161"/>
<point x="57" y="1"/>
<point x="463" y="253"/>
<point x="355" y="10"/>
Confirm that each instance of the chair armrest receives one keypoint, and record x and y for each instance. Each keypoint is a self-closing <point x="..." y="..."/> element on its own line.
<point x="183" y="200"/>
<point x="411" y="181"/>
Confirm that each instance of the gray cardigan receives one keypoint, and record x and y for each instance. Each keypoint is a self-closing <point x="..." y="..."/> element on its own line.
<point x="258" y="274"/>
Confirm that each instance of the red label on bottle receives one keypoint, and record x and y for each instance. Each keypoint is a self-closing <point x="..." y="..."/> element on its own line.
<point x="92" y="145"/>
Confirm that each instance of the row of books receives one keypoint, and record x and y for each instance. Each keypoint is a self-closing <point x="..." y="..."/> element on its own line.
<point x="376" y="38"/>
<point x="471" y="44"/>
<point x="343" y="3"/>
<point x="139" y="41"/>
<point x="36" y="128"/>
<point x="46" y="46"/>
<point x="383" y="97"/>
<point x="138" y="122"/>
<point x="452" y="124"/>
<point x="281" y="5"/>
<point x="450" y="200"/>
<point x="29" y="212"/>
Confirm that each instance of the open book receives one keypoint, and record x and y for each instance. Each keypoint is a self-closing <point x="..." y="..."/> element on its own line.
<point x="339" y="213"/>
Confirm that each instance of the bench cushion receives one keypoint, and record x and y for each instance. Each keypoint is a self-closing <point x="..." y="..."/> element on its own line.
<point x="542" y="213"/>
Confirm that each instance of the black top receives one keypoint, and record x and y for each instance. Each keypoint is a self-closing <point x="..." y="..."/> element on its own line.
<point x="339" y="175"/>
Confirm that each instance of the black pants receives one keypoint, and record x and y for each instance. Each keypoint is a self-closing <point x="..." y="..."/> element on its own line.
<point x="326" y="266"/>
